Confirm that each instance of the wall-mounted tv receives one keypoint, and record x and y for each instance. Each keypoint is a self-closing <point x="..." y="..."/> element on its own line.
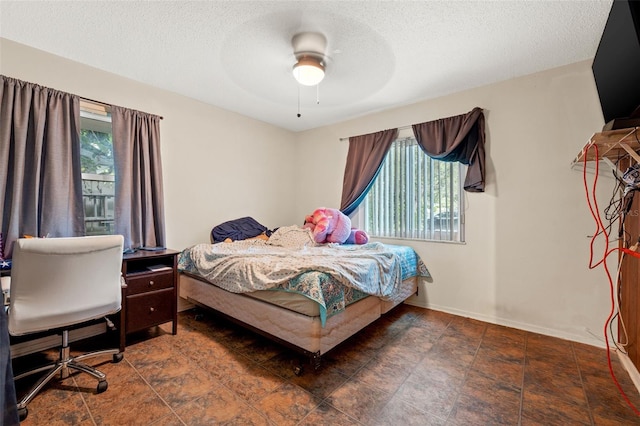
<point x="616" y="66"/>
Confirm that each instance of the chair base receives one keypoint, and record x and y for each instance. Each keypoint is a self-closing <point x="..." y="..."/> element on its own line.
<point x="62" y="366"/>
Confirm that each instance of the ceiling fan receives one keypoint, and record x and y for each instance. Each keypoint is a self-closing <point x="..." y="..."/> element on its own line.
<point x="309" y="49"/>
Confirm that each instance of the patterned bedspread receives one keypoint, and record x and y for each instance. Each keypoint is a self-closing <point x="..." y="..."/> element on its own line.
<point x="332" y="275"/>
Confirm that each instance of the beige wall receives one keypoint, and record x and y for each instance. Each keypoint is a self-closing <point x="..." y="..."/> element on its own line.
<point x="217" y="165"/>
<point x="525" y="260"/>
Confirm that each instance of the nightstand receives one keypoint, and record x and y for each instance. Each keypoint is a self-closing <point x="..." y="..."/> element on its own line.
<point x="151" y="295"/>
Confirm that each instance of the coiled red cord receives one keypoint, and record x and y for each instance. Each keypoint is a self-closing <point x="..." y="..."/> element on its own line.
<point x="595" y="213"/>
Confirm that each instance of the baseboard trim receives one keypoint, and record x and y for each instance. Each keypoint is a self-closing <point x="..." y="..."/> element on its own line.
<point x="589" y="340"/>
<point x="631" y="369"/>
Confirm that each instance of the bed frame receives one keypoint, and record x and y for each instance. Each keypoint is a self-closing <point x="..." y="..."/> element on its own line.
<point x="297" y="331"/>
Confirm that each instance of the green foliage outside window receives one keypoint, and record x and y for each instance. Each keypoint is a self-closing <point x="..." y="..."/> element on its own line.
<point x="96" y="152"/>
<point x="98" y="177"/>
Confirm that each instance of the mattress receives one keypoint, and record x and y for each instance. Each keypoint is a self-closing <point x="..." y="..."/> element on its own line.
<point x="331" y="276"/>
<point x="296" y="302"/>
<point x="301" y="304"/>
<point x="305" y="333"/>
<point x="308" y="298"/>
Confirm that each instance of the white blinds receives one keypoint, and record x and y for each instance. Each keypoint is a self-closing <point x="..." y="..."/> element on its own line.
<point x="414" y="196"/>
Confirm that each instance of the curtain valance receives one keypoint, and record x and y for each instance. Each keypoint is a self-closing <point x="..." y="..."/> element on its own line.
<point x="459" y="138"/>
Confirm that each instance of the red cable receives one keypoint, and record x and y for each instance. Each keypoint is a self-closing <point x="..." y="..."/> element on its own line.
<point x="595" y="212"/>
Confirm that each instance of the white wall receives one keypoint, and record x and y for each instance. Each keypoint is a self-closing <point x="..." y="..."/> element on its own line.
<point x="525" y="260"/>
<point x="217" y="165"/>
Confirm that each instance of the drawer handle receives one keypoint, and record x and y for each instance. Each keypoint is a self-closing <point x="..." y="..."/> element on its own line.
<point x="152" y="309"/>
<point x="151" y="282"/>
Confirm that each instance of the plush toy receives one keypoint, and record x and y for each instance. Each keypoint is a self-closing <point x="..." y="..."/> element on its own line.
<point x="332" y="226"/>
<point x="328" y="225"/>
<point x="357" y="236"/>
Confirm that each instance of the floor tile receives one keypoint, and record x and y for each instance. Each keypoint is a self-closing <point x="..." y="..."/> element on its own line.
<point x="563" y="384"/>
<point x="401" y="412"/>
<point x="385" y="374"/>
<point x="412" y="367"/>
<point x="325" y="414"/>
<point x="218" y="405"/>
<point x="504" y="369"/>
<point x="429" y="395"/>
<point x="486" y="400"/>
<point x="548" y="409"/>
<point x="321" y="383"/>
<point x="254" y="383"/>
<point x="361" y="402"/>
<point x="287" y="405"/>
<point x="128" y="402"/>
<point x="68" y="410"/>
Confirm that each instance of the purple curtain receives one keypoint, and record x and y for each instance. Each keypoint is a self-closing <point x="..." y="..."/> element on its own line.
<point x="364" y="159"/>
<point x="459" y="138"/>
<point x="40" y="176"/>
<point x="139" y="207"/>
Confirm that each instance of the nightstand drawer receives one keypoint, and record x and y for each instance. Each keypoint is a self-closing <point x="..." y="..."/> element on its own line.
<point x="149" y="282"/>
<point x="149" y="309"/>
<point x="150" y="297"/>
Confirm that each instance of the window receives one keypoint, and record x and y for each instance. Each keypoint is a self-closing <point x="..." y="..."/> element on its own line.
<point x="414" y="197"/>
<point x="98" y="179"/>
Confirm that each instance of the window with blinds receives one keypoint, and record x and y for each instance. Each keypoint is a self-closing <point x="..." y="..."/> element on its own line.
<point x="415" y="197"/>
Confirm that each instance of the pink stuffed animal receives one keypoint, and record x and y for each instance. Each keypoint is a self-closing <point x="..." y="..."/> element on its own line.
<point x="357" y="236"/>
<point x="328" y="225"/>
<point x="332" y="226"/>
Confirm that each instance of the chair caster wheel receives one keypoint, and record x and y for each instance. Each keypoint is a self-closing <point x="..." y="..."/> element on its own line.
<point x="23" y="413"/>
<point x="102" y="386"/>
<point x="118" y="357"/>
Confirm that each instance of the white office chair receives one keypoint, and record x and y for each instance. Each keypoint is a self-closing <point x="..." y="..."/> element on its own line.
<point x="57" y="283"/>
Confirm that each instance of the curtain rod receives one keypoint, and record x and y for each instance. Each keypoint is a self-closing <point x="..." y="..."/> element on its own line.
<point x="109" y="105"/>
<point x="399" y="128"/>
<point x="78" y="96"/>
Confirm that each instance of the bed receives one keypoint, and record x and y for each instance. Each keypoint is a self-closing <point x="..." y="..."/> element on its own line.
<point x="306" y="296"/>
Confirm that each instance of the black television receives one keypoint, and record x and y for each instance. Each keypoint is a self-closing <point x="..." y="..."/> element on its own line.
<point x="616" y="66"/>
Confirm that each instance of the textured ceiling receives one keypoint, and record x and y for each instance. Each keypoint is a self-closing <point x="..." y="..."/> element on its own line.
<point x="238" y="55"/>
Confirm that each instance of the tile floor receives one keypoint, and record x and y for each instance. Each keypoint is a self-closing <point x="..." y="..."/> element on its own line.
<point x="412" y="367"/>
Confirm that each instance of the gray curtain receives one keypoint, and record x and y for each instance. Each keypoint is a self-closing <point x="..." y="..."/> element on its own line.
<point x="459" y="138"/>
<point x="139" y="208"/>
<point x="40" y="176"/>
<point x="364" y="159"/>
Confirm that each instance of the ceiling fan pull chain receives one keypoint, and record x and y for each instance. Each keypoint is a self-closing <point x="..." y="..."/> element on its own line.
<point x="299" y="101"/>
<point x="318" y="94"/>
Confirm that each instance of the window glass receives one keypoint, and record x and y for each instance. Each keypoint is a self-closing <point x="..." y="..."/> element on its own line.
<point x="98" y="179"/>
<point x="414" y="197"/>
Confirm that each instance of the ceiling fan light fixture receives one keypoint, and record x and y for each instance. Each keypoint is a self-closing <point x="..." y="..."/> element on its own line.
<point x="308" y="71"/>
